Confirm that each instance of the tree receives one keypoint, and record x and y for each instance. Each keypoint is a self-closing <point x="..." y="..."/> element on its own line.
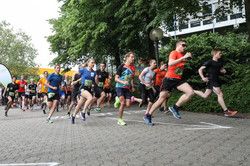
<point x="101" y="28"/>
<point x="16" y="51"/>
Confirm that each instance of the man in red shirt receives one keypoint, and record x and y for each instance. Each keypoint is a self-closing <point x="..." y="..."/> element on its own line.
<point x="173" y="79"/>
<point x="21" y="94"/>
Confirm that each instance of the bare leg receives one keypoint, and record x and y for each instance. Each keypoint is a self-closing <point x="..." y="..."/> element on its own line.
<point x="220" y="98"/>
<point x="188" y="94"/>
<point x="52" y="105"/>
<point x="205" y="95"/>
<point x="163" y="96"/>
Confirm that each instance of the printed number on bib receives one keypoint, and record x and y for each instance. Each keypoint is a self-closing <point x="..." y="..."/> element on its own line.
<point x="100" y="84"/>
<point x="22" y="85"/>
<point x="128" y="78"/>
<point x="33" y="91"/>
<point x="178" y="71"/>
<point x="88" y="83"/>
<point x="51" y="94"/>
<point x="11" y="93"/>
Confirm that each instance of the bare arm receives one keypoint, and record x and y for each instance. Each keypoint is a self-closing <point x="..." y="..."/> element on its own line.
<point x="120" y="81"/>
<point x="205" y="79"/>
<point x="172" y="62"/>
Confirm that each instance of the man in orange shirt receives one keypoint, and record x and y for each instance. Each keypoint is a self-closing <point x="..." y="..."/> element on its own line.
<point x="159" y="75"/>
<point x="173" y="79"/>
<point x="44" y="90"/>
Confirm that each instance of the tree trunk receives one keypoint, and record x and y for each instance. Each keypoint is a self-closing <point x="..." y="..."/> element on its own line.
<point x="117" y="59"/>
<point x="247" y="12"/>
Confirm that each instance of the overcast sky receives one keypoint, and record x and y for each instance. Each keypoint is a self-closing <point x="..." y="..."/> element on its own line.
<point x="31" y="17"/>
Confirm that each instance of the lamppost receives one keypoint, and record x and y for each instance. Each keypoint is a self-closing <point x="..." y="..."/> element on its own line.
<point x="156" y="34"/>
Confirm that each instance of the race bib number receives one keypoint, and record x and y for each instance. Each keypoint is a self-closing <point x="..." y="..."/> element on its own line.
<point x="45" y="87"/>
<point x="178" y="71"/>
<point x="68" y="83"/>
<point x="128" y="78"/>
<point x="147" y="88"/>
<point x="21" y="85"/>
<point x="100" y="84"/>
<point x="51" y="94"/>
<point x="33" y="91"/>
<point x="11" y="94"/>
<point x="88" y="83"/>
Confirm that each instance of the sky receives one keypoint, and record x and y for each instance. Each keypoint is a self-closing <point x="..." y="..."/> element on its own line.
<point x="31" y="17"/>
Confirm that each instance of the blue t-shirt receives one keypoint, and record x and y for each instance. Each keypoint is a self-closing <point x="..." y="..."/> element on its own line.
<point x="88" y="77"/>
<point x="54" y="80"/>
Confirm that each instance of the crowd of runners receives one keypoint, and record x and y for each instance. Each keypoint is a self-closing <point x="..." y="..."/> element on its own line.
<point x="88" y="87"/>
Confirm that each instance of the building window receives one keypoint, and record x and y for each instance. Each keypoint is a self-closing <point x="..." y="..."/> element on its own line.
<point x="235" y="16"/>
<point x="195" y="23"/>
<point x="206" y="22"/>
<point x="221" y="19"/>
<point x="184" y="26"/>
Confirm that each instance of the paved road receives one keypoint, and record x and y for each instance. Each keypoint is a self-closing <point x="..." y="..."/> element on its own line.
<point x="196" y="139"/>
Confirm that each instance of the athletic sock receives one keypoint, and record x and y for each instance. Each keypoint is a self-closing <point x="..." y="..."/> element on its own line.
<point x="23" y="104"/>
<point x="175" y="106"/>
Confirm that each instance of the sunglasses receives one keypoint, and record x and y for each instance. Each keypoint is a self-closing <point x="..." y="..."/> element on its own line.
<point x="184" y="45"/>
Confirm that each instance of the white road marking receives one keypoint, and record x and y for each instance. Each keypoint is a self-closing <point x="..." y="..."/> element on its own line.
<point x="205" y="126"/>
<point x="30" y="164"/>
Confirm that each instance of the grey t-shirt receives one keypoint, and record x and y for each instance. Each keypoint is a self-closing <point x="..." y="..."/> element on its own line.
<point x="149" y="75"/>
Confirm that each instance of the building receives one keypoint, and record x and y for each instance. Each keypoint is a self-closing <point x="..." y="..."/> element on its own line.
<point x="207" y="23"/>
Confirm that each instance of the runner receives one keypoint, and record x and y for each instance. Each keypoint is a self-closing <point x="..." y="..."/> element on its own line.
<point x="159" y="75"/>
<point x="32" y="96"/>
<point x="12" y="89"/>
<point x="146" y="85"/>
<point x="124" y="78"/>
<point x="68" y="89"/>
<point x="62" y="94"/>
<point x="173" y="79"/>
<point x="76" y="82"/>
<point x="88" y="76"/>
<point x="214" y="68"/>
<point x="107" y="90"/>
<point x="21" y="94"/>
<point x="102" y="75"/>
<point x="39" y="93"/>
<point x="44" y="90"/>
<point x="53" y="81"/>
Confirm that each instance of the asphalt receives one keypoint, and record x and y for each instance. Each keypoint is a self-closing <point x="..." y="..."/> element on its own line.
<point x="197" y="139"/>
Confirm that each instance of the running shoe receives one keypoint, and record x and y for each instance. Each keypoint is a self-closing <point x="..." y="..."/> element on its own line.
<point x="147" y="119"/>
<point x="23" y="109"/>
<point x="31" y="108"/>
<point x="230" y="113"/>
<point x="140" y="105"/>
<point x="174" y="112"/>
<point x="68" y="114"/>
<point x="48" y="120"/>
<point x="117" y="101"/>
<point x="6" y="114"/>
<point x="161" y="109"/>
<point x="108" y="103"/>
<point x="132" y="99"/>
<point x="88" y="111"/>
<point x="44" y="112"/>
<point x="121" y="122"/>
<point x="82" y="115"/>
<point x="98" y="109"/>
<point x="72" y="119"/>
<point x="166" y="111"/>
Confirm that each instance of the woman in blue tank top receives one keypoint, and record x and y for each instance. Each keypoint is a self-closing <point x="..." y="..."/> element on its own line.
<point x="88" y="76"/>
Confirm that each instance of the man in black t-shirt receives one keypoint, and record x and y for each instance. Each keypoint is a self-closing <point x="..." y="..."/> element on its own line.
<point x="214" y="68"/>
<point x="98" y="86"/>
<point x="32" y="96"/>
<point x="12" y="90"/>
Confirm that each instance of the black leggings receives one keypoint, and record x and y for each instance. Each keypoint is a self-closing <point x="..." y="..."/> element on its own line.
<point x="145" y="94"/>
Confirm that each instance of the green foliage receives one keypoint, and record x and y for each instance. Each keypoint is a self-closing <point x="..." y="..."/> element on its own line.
<point x="111" y="28"/>
<point x="235" y="58"/>
<point x="16" y="51"/>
